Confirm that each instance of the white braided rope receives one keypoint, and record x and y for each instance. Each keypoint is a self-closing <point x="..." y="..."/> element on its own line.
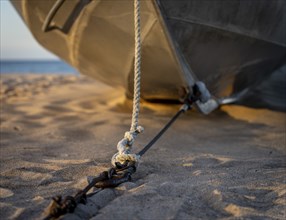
<point x="124" y="145"/>
<point x="137" y="66"/>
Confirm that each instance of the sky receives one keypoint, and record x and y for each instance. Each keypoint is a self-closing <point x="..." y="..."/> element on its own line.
<point x="16" y="41"/>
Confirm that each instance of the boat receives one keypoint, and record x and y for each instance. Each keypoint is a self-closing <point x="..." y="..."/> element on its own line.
<point x="237" y="48"/>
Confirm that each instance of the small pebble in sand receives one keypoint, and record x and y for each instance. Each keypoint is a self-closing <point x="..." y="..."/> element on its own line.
<point x="16" y="128"/>
<point x="38" y="199"/>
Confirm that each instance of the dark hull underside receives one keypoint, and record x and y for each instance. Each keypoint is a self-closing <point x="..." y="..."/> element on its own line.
<point x="236" y="47"/>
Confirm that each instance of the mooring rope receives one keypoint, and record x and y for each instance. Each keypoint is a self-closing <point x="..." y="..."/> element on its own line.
<point x="124" y="146"/>
<point x="137" y="67"/>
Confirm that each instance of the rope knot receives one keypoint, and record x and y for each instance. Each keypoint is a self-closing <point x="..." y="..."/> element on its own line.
<point x="124" y="147"/>
<point x="131" y="135"/>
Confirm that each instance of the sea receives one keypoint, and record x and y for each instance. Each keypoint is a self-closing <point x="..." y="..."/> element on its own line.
<point x="36" y="67"/>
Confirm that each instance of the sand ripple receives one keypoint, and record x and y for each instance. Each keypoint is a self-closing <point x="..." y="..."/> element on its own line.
<point x="58" y="130"/>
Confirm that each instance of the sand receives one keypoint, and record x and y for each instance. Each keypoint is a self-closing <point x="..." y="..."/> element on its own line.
<point x="57" y="130"/>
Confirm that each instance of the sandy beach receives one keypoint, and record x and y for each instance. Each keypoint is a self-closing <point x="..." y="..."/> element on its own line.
<point x="57" y="130"/>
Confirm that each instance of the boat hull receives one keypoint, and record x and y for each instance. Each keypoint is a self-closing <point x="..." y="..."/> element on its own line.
<point x="237" y="48"/>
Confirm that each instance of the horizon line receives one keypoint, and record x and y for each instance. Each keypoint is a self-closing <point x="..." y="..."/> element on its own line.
<point x="31" y="59"/>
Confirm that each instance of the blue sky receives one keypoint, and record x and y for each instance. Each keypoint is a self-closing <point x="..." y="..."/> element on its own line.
<point x="16" y="41"/>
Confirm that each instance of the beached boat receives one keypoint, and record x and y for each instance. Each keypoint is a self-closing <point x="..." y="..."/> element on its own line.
<point x="237" y="47"/>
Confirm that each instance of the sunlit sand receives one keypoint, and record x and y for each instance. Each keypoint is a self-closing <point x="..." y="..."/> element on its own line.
<point x="57" y="130"/>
